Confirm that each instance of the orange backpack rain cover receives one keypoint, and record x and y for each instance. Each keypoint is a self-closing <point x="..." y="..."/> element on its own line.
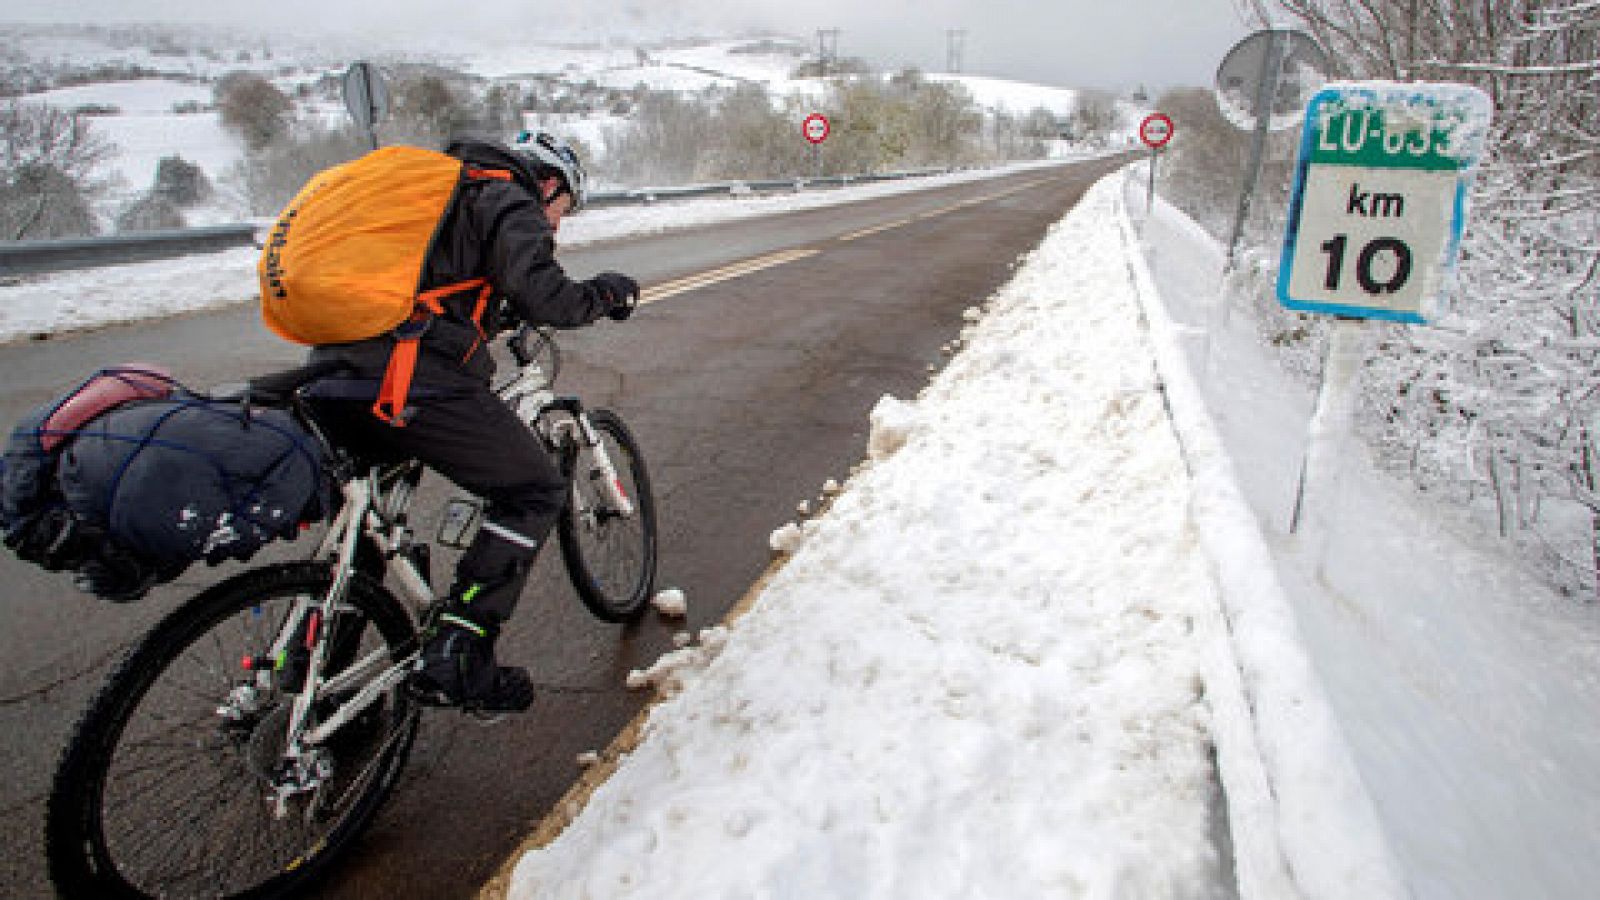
<point x="345" y="258"/>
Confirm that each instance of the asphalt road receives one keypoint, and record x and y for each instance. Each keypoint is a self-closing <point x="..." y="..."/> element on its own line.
<point x="747" y="379"/>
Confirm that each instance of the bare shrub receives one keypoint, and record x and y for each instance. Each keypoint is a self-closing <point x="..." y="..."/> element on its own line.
<point x="253" y="108"/>
<point x="48" y="159"/>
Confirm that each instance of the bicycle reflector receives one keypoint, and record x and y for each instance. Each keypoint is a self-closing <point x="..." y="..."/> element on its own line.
<point x="459" y="524"/>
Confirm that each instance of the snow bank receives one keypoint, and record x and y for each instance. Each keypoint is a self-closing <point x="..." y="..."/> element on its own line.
<point x="978" y="675"/>
<point x="127" y="293"/>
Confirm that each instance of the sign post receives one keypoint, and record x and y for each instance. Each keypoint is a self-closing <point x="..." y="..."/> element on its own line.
<point x="1375" y="220"/>
<point x="366" y="97"/>
<point x="1155" y="131"/>
<point x="816" y="129"/>
<point x="1262" y="86"/>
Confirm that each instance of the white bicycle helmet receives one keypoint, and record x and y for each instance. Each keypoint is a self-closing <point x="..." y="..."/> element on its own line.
<point x="549" y="154"/>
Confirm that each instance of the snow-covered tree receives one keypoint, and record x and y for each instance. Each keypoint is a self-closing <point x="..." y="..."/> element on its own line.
<point x="48" y="158"/>
<point x="1501" y="401"/>
<point x="1094" y="117"/>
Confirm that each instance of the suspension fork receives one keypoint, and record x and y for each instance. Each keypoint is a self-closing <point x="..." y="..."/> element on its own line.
<point x="592" y="449"/>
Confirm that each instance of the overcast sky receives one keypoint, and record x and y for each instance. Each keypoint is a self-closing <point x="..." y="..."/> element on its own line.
<point x="1069" y="43"/>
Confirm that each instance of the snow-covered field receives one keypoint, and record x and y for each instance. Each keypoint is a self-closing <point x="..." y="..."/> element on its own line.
<point x="1012" y="97"/>
<point x="1469" y="691"/>
<point x="144" y="125"/>
<point x="147" y="127"/>
<point x="141" y="97"/>
<point x="205" y="51"/>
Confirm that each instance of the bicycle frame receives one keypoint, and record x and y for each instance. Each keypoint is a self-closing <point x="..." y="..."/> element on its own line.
<point x="375" y="506"/>
<point x="378" y="514"/>
<point x="363" y="514"/>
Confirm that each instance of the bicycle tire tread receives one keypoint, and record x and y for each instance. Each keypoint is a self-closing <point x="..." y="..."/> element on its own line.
<point x="69" y="835"/>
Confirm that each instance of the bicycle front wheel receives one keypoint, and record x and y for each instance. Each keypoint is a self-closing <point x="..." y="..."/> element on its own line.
<point x="173" y="782"/>
<point x="610" y="552"/>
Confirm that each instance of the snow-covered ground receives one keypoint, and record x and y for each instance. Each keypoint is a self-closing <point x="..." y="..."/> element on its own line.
<point x="141" y="97"/>
<point x="165" y="109"/>
<point x="1470" y="692"/>
<point x="202" y="51"/>
<point x="147" y="126"/>
<point x="996" y="665"/>
<point x="1014" y="97"/>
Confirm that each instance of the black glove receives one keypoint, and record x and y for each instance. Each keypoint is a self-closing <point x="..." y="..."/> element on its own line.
<point x="620" y="291"/>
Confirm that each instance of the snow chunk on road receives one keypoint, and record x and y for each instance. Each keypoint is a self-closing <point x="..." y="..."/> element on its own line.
<point x="892" y="424"/>
<point x="671" y="603"/>
<point x="786" y="539"/>
<point x="667" y="673"/>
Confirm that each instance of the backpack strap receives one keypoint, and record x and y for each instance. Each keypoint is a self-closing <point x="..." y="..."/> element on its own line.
<point x="396" y="386"/>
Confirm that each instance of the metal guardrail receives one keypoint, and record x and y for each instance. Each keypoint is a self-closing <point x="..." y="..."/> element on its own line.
<point x="40" y="257"/>
<point x="769" y="186"/>
<point x="34" y="257"/>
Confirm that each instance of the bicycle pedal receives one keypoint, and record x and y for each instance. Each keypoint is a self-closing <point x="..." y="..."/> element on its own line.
<point x="437" y="699"/>
<point x="430" y="697"/>
<point x="484" y="718"/>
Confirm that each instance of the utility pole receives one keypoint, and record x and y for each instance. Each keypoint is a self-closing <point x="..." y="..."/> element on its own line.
<point x="827" y="49"/>
<point x="956" y="48"/>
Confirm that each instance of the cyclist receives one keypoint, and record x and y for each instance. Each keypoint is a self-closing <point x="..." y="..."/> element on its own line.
<point x="501" y="229"/>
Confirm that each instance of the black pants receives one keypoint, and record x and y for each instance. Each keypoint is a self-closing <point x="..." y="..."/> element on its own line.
<point x="471" y="438"/>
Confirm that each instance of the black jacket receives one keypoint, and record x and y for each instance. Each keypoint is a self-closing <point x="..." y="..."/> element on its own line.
<point x="494" y="229"/>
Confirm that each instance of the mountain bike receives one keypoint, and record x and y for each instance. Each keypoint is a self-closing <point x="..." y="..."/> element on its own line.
<point x="248" y="739"/>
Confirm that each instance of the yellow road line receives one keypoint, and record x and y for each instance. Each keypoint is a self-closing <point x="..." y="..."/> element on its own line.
<point x="1026" y="185"/>
<point x="725" y="273"/>
<point x="874" y="229"/>
<point x="756" y="264"/>
<point x="974" y="201"/>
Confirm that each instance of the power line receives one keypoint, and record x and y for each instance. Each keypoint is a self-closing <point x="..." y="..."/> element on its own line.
<point x="956" y="48"/>
<point x="827" y="49"/>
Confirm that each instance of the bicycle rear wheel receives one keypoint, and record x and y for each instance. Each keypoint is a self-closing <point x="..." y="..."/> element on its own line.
<point x="166" y="787"/>
<point x="610" y="554"/>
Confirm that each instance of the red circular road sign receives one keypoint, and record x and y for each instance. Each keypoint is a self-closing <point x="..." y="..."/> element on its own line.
<point x="1156" y="130"/>
<point x="816" y="128"/>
